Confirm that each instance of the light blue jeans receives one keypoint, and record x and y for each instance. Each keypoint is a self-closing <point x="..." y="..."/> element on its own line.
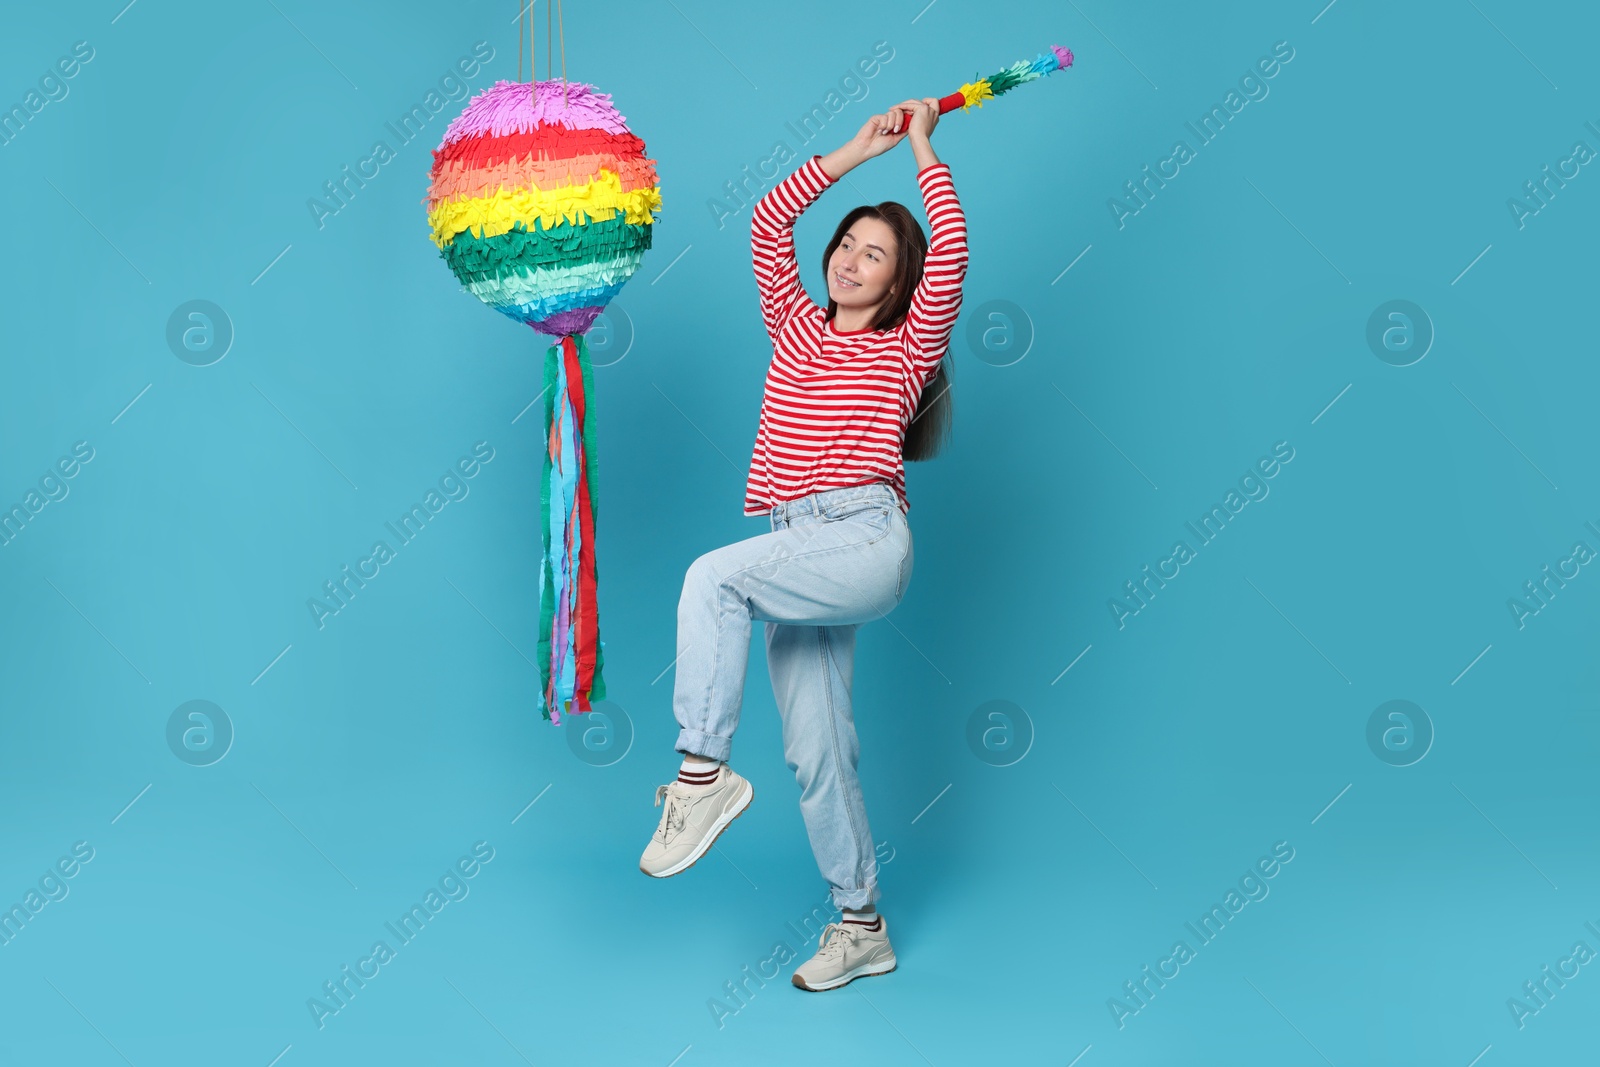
<point x="834" y="560"/>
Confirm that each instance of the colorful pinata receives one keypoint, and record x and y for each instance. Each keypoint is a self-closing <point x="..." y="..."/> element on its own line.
<point x="542" y="204"/>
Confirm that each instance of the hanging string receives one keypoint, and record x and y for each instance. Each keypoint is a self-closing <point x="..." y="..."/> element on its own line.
<point x="560" y="31"/>
<point x="563" y="31"/>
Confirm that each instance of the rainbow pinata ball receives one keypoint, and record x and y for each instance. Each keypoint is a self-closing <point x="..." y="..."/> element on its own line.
<point x="541" y="202"/>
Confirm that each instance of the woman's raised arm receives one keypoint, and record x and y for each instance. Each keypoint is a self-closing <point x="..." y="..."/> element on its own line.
<point x="772" y="241"/>
<point x="936" y="302"/>
<point x="773" y="218"/>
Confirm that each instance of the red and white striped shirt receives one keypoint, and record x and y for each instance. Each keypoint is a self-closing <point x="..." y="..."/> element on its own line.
<point x="837" y="403"/>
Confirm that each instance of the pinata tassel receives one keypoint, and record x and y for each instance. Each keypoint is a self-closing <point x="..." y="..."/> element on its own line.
<point x="570" y="649"/>
<point x="547" y="573"/>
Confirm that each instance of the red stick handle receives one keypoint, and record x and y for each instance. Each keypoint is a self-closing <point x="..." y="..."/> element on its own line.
<point x="947" y="104"/>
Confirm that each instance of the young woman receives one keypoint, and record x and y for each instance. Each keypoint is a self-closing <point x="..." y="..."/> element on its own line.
<point x="852" y="391"/>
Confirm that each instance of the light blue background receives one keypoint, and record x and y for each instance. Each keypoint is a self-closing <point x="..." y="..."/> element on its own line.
<point x="1224" y="717"/>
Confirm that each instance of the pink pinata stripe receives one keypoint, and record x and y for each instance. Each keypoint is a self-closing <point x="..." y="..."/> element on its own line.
<point x="512" y="107"/>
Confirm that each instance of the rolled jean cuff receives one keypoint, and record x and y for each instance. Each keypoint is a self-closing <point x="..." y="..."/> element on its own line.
<point x="854" y="899"/>
<point x="711" y="746"/>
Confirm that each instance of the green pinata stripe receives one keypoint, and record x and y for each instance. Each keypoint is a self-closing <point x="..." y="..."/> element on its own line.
<point x="526" y="287"/>
<point x="473" y="259"/>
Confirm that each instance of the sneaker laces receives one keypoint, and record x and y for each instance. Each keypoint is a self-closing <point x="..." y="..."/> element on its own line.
<point x="836" y="937"/>
<point x="675" y="815"/>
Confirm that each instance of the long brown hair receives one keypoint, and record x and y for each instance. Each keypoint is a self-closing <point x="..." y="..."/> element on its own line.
<point x="929" y="428"/>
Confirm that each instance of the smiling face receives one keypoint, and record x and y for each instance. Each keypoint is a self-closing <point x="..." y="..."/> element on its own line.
<point x="861" y="271"/>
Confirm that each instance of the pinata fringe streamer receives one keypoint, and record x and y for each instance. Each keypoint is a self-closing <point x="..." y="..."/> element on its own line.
<point x="571" y="654"/>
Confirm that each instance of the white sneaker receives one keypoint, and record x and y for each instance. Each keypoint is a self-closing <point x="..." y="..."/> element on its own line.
<point x="692" y="821"/>
<point x="847" y="951"/>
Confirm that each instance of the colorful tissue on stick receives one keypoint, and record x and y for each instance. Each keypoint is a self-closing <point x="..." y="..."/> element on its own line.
<point x="974" y="93"/>
<point x="541" y="202"/>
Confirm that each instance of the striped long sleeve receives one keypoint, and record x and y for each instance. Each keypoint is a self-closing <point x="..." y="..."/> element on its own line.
<point x="772" y="242"/>
<point x="936" y="304"/>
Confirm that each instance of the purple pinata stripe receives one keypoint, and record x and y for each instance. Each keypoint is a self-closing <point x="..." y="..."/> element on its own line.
<point x="512" y="107"/>
<point x="564" y="323"/>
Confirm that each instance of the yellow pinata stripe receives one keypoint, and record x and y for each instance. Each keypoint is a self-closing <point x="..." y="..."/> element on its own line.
<point x="975" y="94"/>
<point x="596" y="200"/>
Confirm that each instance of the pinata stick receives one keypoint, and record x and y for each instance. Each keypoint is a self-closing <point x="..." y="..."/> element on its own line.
<point x="973" y="94"/>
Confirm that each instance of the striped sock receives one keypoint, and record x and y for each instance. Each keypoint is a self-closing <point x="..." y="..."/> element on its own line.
<point x="867" y="920"/>
<point x="699" y="775"/>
